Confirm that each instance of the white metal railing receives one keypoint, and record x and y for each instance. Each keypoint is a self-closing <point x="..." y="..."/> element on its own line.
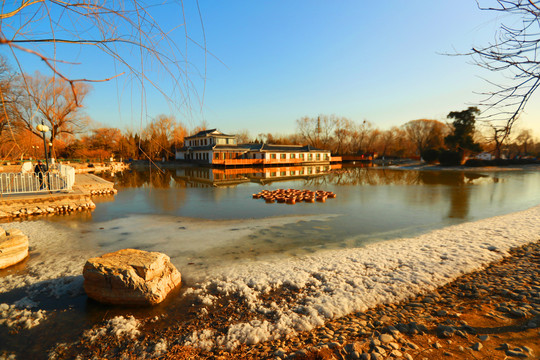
<point x="20" y="183"/>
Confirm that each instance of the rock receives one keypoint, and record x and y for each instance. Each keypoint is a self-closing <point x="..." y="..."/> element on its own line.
<point x="516" y="354"/>
<point x="386" y="338"/>
<point x="477" y="346"/>
<point x="354" y="347"/>
<point x="130" y="277"/>
<point x="396" y="353"/>
<point x="503" y="346"/>
<point x="13" y="247"/>
<point x="441" y="313"/>
<point x="444" y="331"/>
<point x="483" y="337"/>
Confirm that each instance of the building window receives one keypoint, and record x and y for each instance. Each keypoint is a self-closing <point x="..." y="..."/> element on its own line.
<point x="273" y="156"/>
<point x="302" y="156"/>
<point x="272" y="174"/>
<point x="310" y="156"/>
<point x="318" y="156"/>
<point x="283" y="156"/>
<point x="293" y="156"/>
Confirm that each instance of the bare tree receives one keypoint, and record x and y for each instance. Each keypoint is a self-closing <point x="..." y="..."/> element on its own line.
<point x="317" y="132"/>
<point x="243" y="136"/>
<point x="6" y="87"/>
<point x="160" y="134"/>
<point x="525" y="141"/>
<point x="343" y="132"/>
<point x="51" y="99"/>
<point x="515" y="53"/>
<point x="127" y="32"/>
<point x="135" y="40"/>
<point x="426" y="133"/>
<point x="362" y="137"/>
<point x="385" y="142"/>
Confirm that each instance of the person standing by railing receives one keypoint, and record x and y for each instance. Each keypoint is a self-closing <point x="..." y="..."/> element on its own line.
<point x="39" y="170"/>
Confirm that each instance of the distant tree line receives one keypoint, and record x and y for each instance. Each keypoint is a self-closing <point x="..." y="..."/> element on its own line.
<point x="28" y="100"/>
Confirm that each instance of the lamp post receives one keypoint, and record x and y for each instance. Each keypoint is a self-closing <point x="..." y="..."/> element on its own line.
<point x="43" y="129"/>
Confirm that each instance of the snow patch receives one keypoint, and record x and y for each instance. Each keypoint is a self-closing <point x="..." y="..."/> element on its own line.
<point x="13" y="316"/>
<point x="118" y="326"/>
<point x="337" y="283"/>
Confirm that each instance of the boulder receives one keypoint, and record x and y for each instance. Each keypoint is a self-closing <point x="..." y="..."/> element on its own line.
<point x="13" y="247"/>
<point x="130" y="277"/>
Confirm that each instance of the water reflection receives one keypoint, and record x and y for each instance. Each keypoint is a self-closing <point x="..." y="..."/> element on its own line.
<point x="368" y="198"/>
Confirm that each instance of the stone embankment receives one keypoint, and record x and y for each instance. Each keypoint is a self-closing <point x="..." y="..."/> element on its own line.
<point x="41" y="204"/>
<point x="51" y="209"/>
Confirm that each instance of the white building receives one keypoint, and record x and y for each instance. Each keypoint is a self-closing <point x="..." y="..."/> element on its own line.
<point x="216" y="148"/>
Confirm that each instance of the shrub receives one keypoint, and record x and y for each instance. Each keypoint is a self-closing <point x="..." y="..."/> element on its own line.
<point x="450" y="158"/>
<point x="430" y="155"/>
<point x="477" y="163"/>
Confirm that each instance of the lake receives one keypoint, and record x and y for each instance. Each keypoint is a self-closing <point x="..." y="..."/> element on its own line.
<point x="371" y="205"/>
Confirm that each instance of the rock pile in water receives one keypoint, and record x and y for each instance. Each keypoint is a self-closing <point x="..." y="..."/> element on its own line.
<point x="130" y="277"/>
<point x="13" y="247"/>
<point x="292" y="196"/>
<point x="108" y="191"/>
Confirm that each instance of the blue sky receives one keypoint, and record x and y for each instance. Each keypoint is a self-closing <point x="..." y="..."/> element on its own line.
<point x="276" y="61"/>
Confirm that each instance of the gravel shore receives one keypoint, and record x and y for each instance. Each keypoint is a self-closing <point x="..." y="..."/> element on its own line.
<point x="489" y="314"/>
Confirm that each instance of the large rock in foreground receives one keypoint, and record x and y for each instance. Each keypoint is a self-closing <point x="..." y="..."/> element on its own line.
<point x="130" y="277"/>
<point x="13" y="247"/>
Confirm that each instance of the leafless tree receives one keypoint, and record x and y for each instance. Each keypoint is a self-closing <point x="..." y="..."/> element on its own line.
<point x="318" y="131"/>
<point x="426" y="133"/>
<point x="6" y="87"/>
<point x="51" y="99"/>
<point x="525" y="140"/>
<point x="363" y="136"/>
<point x="515" y="53"/>
<point x="243" y="136"/>
<point x="343" y="132"/>
<point x="128" y="32"/>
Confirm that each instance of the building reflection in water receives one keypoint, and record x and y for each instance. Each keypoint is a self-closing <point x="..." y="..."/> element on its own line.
<point x="167" y="187"/>
<point x="214" y="177"/>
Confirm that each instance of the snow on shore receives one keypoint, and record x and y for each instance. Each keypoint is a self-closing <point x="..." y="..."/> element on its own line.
<point x="58" y="251"/>
<point x="336" y="283"/>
